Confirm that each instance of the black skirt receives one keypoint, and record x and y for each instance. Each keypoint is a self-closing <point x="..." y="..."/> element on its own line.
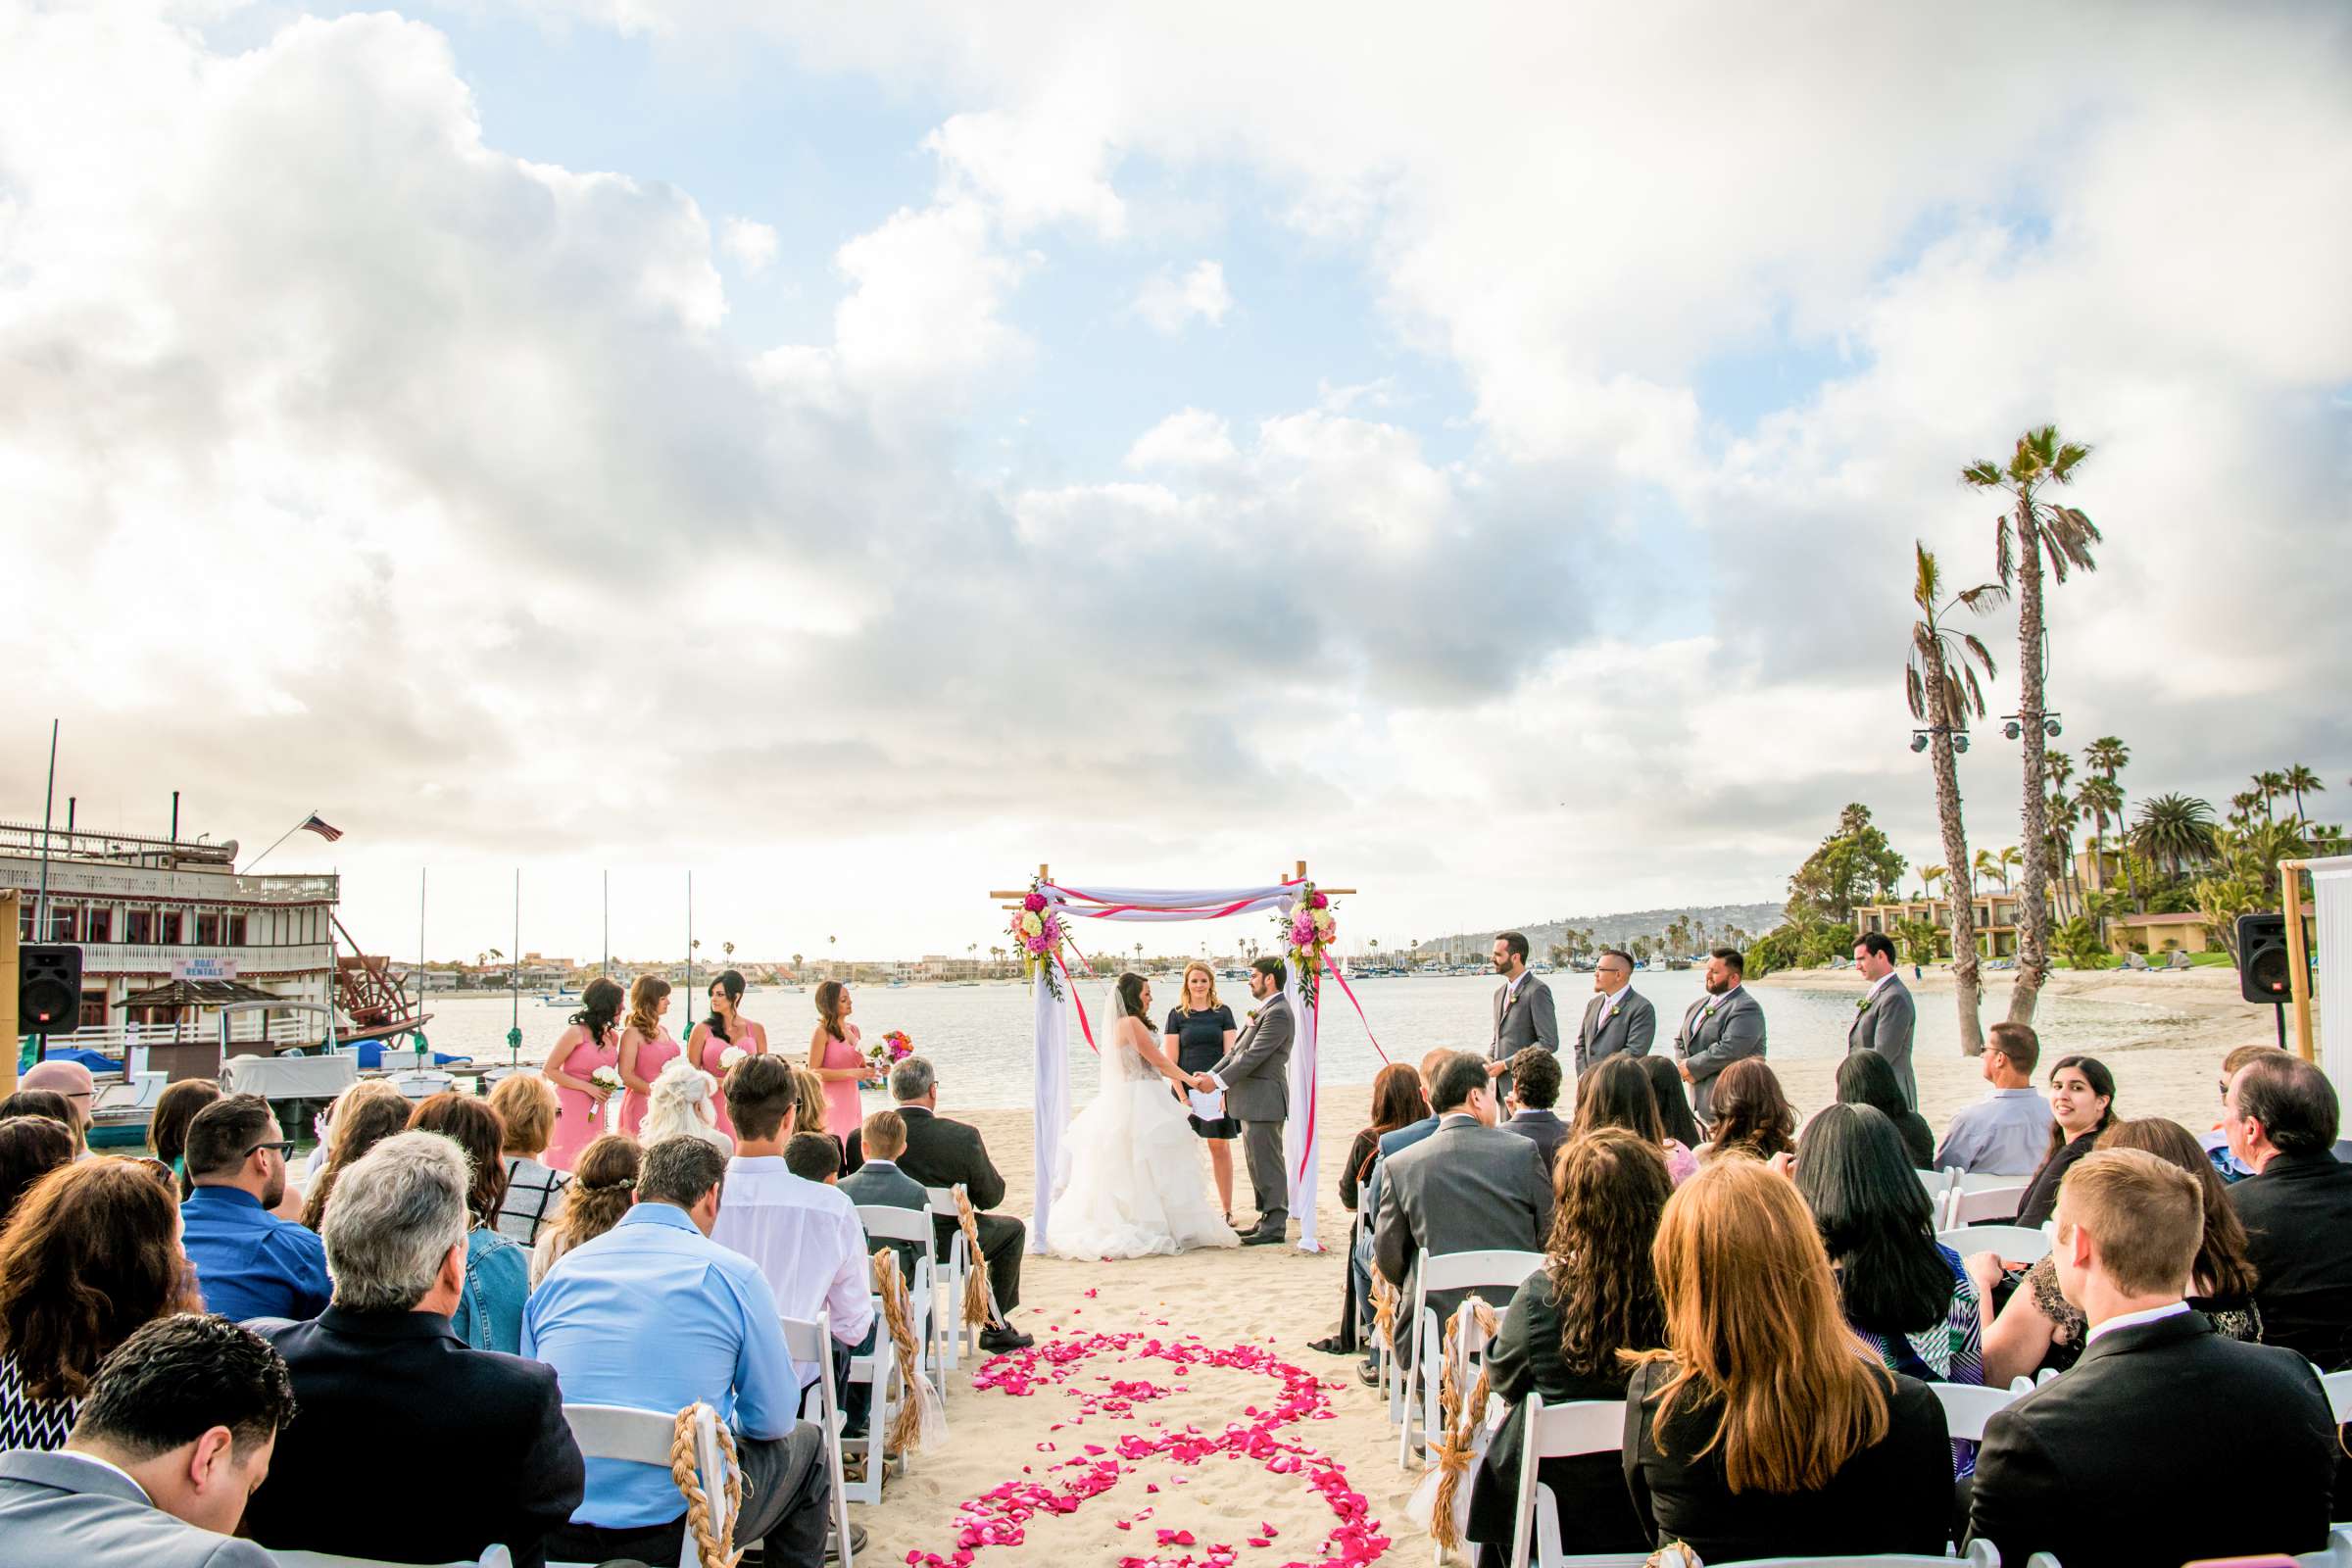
<point x="1201" y="1046"/>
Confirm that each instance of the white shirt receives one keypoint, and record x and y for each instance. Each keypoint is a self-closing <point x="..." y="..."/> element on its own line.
<point x="1878" y="985"/>
<point x="2132" y="1321"/>
<point x="1510" y="988"/>
<point x="806" y="1237"/>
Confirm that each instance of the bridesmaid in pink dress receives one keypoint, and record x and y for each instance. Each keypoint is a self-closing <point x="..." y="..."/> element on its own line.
<point x="646" y="1048"/>
<point x="725" y="1030"/>
<point x="589" y="1044"/>
<point x="837" y="1058"/>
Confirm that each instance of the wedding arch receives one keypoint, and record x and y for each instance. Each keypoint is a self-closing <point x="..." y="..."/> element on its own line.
<point x="1041" y="927"/>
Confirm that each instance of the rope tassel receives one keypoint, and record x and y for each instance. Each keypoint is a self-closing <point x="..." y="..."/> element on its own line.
<point x="905" y="1424"/>
<point x="1460" y="1420"/>
<point x="715" y="1551"/>
<point x="978" y="1310"/>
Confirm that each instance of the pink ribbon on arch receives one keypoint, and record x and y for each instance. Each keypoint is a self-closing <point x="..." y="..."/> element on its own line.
<point x="1084" y="1027"/>
<point x="1333" y="970"/>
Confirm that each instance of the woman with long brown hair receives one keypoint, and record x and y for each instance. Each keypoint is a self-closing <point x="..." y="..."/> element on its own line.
<point x="603" y="1184"/>
<point x="646" y="1048"/>
<point x="726" y="1032"/>
<point x="30" y="1148"/>
<point x="837" y="1058"/>
<point x="1752" y="1115"/>
<point x="1762" y="1428"/>
<point x="362" y="1117"/>
<point x="1397" y="1100"/>
<point x="498" y="1271"/>
<point x="2082" y="1107"/>
<point x="1565" y="1333"/>
<point x="591" y="1041"/>
<point x="1615" y="1092"/>
<point x="90" y="1254"/>
<point x="167" y="1128"/>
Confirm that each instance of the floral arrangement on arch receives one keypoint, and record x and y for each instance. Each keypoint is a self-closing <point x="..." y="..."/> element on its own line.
<point x="1309" y="929"/>
<point x="893" y="1048"/>
<point x="1036" y="936"/>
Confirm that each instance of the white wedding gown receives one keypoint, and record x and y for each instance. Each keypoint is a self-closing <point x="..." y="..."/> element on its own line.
<point x="1132" y="1182"/>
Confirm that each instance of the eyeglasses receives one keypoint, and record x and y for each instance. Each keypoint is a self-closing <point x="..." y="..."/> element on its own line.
<point x="279" y="1147"/>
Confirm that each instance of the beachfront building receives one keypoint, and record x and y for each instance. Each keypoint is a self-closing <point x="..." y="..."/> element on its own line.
<point x="2159" y="934"/>
<point x="1995" y="913"/>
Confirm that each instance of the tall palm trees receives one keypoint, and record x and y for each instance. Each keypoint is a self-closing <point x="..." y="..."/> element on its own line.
<point x="2172" y="828"/>
<point x="2030" y="532"/>
<point x="2270" y="785"/>
<point x="1940" y="681"/>
<point x="2107" y="757"/>
<point x="2299" y="779"/>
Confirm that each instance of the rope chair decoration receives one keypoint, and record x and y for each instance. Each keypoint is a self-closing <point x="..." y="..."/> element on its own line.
<point x="897" y="1314"/>
<point x="1458" y="1420"/>
<point x="1383" y="1312"/>
<point x="715" y="1551"/>
<point x="978" y="1310"/>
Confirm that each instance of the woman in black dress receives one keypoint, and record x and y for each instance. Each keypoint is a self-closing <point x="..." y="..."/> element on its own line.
<point x="2082" y="1107"/>
<point x="1200" y="1030"/>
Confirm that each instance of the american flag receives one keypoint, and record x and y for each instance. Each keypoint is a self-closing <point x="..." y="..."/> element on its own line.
<point x="317" y="824"/>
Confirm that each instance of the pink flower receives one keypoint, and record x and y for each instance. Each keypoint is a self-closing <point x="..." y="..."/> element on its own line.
<point x="1321" y="901"/>
<point x="1035" y="904"/>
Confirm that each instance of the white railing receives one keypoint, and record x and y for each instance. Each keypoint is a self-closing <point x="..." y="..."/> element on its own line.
<point x="117" y="1038"/>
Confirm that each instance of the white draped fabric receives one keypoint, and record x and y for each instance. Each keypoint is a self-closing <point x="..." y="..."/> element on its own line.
<point x="1301" y="1138"/>
<point x="2332" y="905"/>
<point x="1052" y="1103"/>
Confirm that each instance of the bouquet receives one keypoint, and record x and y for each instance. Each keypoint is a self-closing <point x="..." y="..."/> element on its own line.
<point x="893" y="1048"/>
<point x="729" y="1058"/>
<point x="1036" y="936"/>
<point x="1307" y="928"/>
<point x="606" y="1078"/>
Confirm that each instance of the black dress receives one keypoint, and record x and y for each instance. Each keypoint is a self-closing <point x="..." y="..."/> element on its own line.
<point x="1201" y="1046"/>
<point x="2041" y="1194"/>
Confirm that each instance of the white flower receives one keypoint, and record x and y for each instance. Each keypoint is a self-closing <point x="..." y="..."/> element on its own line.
<point x="731" y="1056"/>
<point x="608" y="1077"/>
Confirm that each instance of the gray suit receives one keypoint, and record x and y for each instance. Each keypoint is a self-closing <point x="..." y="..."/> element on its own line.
<point x="1629" y="1028"/>
<point x="1708" y="1045"/>
<point x="1255" y="1074"/>
<point x="1884" y="1024"/>
<point x="1528" y="1020"/>
<point x="63" y="1508"/>
<point x="1465" y="1188"/>
<point x="880" y="1184"/>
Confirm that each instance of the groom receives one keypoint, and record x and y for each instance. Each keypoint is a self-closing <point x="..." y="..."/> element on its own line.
<point x="1256" y="1079"/>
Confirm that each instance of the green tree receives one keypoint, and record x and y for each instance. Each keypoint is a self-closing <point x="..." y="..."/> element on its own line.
<point x="1918" y="937"/>
<point x="2108" y="756"/>
<point x="2032" y="531"/>
<point x="2301" y="780"/>
<point x="2269" y="785"/>
<point x="1943" y="679"/>
<point x="2101" y="800"/>
<point x="1852" y="864"/>
<point x="2080" y="941"/>
<point x="2172" y="829"/>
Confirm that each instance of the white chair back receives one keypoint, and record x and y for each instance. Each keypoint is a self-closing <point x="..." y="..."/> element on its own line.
<point x="811" y="1343"/>
<point x="643" y="1437"/>
<point x="884" y="1223"/>
<point x="2016" y="1244"/>
<point x="953" y="1332"/>
<point x="1493" y="1275"/>
<point x="1986" y="1203"/>
<point x="2340" y="1394"/>
<point x="1559" y="1431"/>
<point x="1939" y="1184"/>
<point x="1979" y="1554"/>
<point x="1967" y="1406"/>
<point x="493" y="1556"/>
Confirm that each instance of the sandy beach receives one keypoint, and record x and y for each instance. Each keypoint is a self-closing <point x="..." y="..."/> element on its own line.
<point x="1277" y="1299"/>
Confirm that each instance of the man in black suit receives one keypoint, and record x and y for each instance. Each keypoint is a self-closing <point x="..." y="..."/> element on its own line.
<point x="379" y="1373"/>
<point x="2166" y="1442"/>
<point x="940" y="1153"/>
<point x="2280" y="1117"/>
<point x="1535" y="1090"/>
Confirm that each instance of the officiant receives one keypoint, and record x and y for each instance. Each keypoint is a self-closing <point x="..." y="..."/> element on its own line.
<point x="1201" y="1031"/>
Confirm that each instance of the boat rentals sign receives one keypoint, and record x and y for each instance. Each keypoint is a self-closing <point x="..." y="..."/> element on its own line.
<point x="204" y="969"/>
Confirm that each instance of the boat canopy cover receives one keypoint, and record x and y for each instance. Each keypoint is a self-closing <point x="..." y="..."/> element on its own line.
<point x="197" y="994"/>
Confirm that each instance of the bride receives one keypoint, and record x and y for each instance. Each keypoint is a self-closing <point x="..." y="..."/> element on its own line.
<point x="1131" y="1182"/>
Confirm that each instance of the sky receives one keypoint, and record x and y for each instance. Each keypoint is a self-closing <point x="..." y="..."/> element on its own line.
<point x="857" y="454"/>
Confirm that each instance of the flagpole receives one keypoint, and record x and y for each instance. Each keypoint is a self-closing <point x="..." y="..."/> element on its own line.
<point x="514" y="1027"/>
<point x="281" y="839"/>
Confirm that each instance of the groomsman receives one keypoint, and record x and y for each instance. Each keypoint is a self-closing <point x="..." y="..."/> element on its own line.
<point x="1618" y="1017"/>
<point x="1884" y="1017"/>
<point x="1721" y="1028"/>
<point x="1523" y="1011"/>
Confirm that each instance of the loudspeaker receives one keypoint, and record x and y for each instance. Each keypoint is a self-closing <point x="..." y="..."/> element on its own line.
<point x="2263" y="974"/>
<point x="48" y="988"/>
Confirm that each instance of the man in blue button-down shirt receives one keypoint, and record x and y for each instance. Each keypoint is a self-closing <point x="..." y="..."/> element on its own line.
<point x="655" y="1315"/>
<point x="249" y="1263"/>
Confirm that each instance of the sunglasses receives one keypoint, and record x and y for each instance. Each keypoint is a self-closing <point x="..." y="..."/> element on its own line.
<point x="279" y="1147"/>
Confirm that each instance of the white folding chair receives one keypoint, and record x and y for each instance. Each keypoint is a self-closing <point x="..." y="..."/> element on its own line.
<point x="811" y="1345"/>
<point x="954" y="1331"/>
<point x="493" y="1556"/>
<point x="643" y="1437"/>
<point x="1986" y="1203"/>
<point x="1492" y="1275"/>
<point x="2018" y="1243"/>
<point x="1979" y="1554"/>
<point x="1939" y="1184"/>
<point x="885" y="1224"/>
<point x="1967" y="1406"/>
<point x="2340" y="1394"/>
<point x="1560" y="1432"/>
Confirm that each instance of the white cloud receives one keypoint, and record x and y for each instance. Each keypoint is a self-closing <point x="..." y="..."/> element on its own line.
<point x="1194" y="438"/>
<point x="1167" y="302"/>
<point x="754" y="245"/>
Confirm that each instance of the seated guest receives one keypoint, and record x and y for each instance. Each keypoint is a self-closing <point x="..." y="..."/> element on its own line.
<point x="380" y="1372"/>
<point x="802" y="1233"/>
<point x="1900" y="1289"/>
<point x="249" y="1263"/>
<point x="1618" y="1091"/>
<point x="1753" y="1119"/>
<point x="2040" y="1330"/>
<point x="2216" y="1141"/>
<point x="880" y="1184"/>
<point x="1368" y="1198"/>
<point x="30" y="1148"/>
<point x="91" y="1254"/>
<point x="362" y="1117"/>
<point x="498" y="1272"/>
<point x="805" y="1159"/>
<point x="167" y="1127"/>
<point x="41" y="1102"/>
<point x="1597" y="1295"/>
<point x="942" y="1154"/>
<point x="71" y="1082"/>
<point x="1397" y="1100"/>
<point x="2007" y="1132"/>
<point x="1469" y="1186"/>
<point x="176" y="1434"/>
<point x="526" y="1105"/>
<point x="684" y="1103"/>
<point x="1532" y="1098"/>
<point x="2282" y="1120"/>
<point x="604" y="1181"/>
<point x="1673" y="1096"/>
<point x="1758" y="1432"/>
<point x="2082" y="1107"/>
<point x="655" y="1315"/>
<point x="2166" y="1443"/>
<point x="1860" y="1083"/>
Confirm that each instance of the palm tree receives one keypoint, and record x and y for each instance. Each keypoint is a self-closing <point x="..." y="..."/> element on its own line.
<point x="2300" y="779"/>
<point x="2102" y="801"/>
<point x="1986" y="867"/>
<point x="1928" y="876"/>
<point x="2107" y="757"/>
<point x="2008" y="857"/>
<point x="2173" y="828"/>
<point x="2272" y="785"/>
<point x="1941" y="680"/>
<point x="796" y="966"/>
<point x="2241" y="805"/>
<point x="2030" y="533"/>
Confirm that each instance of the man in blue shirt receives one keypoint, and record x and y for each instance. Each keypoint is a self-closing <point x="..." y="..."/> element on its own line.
<point x="249" y="1263"/>
<point x="2007" y="1132"/>
<point x="655" y="1315"/>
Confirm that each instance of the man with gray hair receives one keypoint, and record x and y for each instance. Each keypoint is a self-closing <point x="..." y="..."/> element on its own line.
<point x="941" y="1153"/>
<point x="379" y="1373"/>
